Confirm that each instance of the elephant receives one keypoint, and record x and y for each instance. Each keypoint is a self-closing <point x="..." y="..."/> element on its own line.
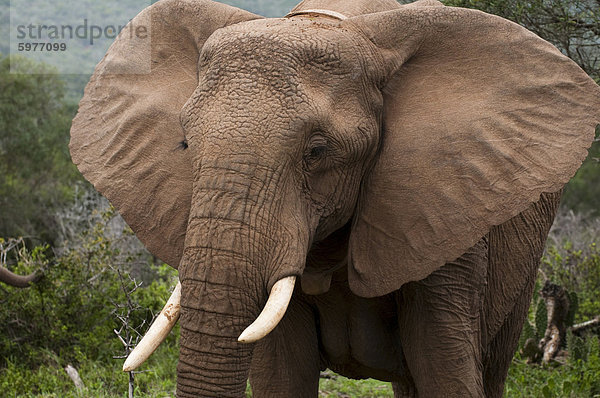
<point x="360" y="185"/>
<point x="21" y="281"/>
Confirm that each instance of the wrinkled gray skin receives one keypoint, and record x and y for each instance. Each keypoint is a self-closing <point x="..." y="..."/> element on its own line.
<point x="292" y="134"/>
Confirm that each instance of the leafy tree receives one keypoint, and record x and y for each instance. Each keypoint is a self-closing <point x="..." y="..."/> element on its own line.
<point x="36" y="173"/>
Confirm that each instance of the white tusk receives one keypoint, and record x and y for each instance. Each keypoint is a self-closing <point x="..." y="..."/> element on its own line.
<point x="157" y="333"/>
<point x="278" y="301"/>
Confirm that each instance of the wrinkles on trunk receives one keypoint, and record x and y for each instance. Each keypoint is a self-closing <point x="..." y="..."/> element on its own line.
<point x="243" y="235"/>
<point x="211" y="361"/>
<point x="221" y="374"/>
<point x="223" y="291"/>
<point x="217" y="304"/>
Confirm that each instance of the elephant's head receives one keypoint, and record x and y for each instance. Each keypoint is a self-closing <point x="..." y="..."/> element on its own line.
<point x="389" y="138"/>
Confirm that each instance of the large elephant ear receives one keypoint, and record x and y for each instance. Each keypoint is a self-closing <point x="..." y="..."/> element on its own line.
<point x="480" y="117"/>
<point x="127" y="139"/>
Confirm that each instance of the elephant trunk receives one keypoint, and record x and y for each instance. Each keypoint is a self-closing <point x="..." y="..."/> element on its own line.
<point x="214" y="360"/>
<point x="247" y="230"/>
<point x="15" y="280"/>
<point x="239" y="245"/>
<point x="211" y="361"/>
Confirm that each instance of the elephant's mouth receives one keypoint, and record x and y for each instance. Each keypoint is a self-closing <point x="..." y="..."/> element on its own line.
<point x="267" y="320"/>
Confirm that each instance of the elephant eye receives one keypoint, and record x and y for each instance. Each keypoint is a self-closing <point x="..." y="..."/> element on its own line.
<point x="183" y="144"/>
<point x="317" y="151"/>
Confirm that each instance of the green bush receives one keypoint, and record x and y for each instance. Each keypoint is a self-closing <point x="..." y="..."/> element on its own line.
<point x="576" y="378"/>
<point x="583" y="191"/>
<point x="69" y="317"/>
<point x="578" y="272"/>
<point x="101" y="379"/>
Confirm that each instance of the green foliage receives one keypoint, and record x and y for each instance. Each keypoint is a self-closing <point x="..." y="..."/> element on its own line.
<point x="578" y="349"/>
<point x="536" y="323"/>
<point x="36" y="172"/>
<point x="573" y="308"/>
<point x="528" y="332"/>
<point x="576" y="378"/>
<point x="577" y="272"/>
<point x="70" y="315"/>
<point x="102" y="379"/>
<point x="338" y="386"/>
<point x="541" y="318"/>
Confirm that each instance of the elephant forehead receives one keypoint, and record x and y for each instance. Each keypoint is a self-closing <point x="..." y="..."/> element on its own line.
<point x="268" y="46"/>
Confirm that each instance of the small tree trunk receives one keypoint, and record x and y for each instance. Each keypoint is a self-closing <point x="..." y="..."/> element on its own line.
<point x="557" y="305"/>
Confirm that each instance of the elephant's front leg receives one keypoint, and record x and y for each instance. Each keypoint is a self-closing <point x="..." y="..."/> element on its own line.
<point x="286" y="362"/>
<point x="440" y="326"/>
